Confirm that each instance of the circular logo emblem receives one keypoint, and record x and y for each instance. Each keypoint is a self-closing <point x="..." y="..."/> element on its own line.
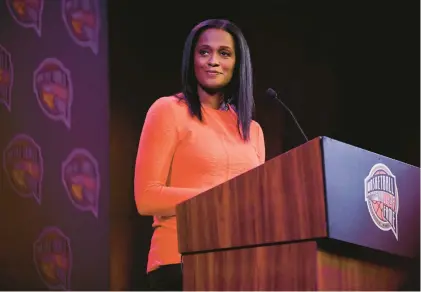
<point x="381" y="196"/>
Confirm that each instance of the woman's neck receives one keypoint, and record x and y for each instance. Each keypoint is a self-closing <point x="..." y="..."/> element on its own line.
<point x="212" y="100"/>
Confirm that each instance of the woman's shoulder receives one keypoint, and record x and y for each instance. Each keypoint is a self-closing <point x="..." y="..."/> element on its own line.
<point x="255" y="127"/>
<point x="174" y="103"/>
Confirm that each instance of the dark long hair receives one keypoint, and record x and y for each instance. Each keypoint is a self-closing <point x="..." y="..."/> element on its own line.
<point x="239" y="90"/>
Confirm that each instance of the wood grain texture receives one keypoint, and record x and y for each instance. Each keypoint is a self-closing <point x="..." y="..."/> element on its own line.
<point x="299" y="266"/>
<point x="337" y="272"/>
<point x="282" y="200"/>
<point x="264" y="268"/>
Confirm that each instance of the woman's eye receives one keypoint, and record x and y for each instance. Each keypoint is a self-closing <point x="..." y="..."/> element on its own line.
<point x="203" y="52"/>
<point x="225" y="54"/>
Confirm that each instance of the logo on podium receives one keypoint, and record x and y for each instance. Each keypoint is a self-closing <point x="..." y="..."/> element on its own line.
<point x="381" y="196"/>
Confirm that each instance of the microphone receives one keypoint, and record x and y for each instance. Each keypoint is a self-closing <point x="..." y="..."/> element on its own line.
<point x="272" y="94"/>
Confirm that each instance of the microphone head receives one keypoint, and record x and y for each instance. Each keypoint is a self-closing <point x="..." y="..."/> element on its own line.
<point x="271" y="93"/>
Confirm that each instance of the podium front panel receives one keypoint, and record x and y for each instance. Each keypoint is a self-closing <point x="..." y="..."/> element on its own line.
<point x="372" y="200"/>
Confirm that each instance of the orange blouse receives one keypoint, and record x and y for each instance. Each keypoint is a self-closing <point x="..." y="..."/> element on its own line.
<point x="180" y="157"/>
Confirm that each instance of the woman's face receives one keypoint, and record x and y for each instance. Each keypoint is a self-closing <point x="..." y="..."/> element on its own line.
<point x="214" y="59"/>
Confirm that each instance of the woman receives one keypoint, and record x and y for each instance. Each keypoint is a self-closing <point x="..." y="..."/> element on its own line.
<point x="197" y="139"/>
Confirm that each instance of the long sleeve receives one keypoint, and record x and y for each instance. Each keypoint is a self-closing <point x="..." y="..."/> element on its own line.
<point x="261" y="150"/>
<point x="156" y="149"/>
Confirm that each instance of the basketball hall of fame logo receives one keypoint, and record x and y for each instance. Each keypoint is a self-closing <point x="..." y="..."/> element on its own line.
<point x="381" y="196"/>
<point x="6" y="78"/>
<point x="27" y="13"/>
<point x="52" y="255"/>
<point x="81" y="180"/>
<point x="82" y="20"/>
<point x="24" y="166"/>
<point x="53" y="88"/>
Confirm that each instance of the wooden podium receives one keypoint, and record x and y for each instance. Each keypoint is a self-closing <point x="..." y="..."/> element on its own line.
<point x="323" y="216"/>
